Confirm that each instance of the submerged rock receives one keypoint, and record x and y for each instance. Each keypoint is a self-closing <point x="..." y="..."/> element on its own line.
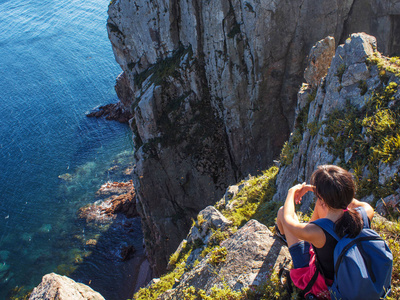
<point x="66" y="177"/>
<point x="127" y="252"/>
<point x="56" y="287"/>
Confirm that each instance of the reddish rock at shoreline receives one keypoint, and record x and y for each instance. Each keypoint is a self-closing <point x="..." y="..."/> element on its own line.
<point x="121" y="199"/>
<point x="115" y="188"/>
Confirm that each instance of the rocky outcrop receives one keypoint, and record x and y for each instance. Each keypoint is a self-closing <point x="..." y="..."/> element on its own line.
<point x="252" y="254"/>
<point x="54" y="286"/>
<point x="115" y="198"/>
<point x="112" y="111"/>
<point x="212" y="87"/>
<point x="346" y="120"/>
<point x="120" y="111"/>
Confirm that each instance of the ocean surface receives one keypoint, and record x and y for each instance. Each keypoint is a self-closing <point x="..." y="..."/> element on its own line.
<point x="56" y="65"/>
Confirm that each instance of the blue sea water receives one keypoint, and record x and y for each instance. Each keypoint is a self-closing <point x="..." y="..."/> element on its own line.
<point x="56" y="65"/>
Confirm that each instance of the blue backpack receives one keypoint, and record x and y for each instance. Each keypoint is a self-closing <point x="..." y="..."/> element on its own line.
<point x="363" y="265"/>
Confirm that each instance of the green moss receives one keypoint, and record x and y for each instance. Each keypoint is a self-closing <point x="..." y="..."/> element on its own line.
<point x="273" y="289"/>
<point x="178" y="255"/>
<point x="191" y="293"/>
<point x="343" y="128"/>
<point x="163" y="68"/>
<point x="218" y="236"/>
<point x="218" y="256"/>
<point x="206" y="250"/>
<point x="215" y="240"/>
<point x="200" y="221"/>
<point x="313" y="127"/>
<point x="371" y="135"/>
<point x="340" y="72"/>
<point x="287" y="154"/>
<point x="253" y="197"/>
<point x="385" y="65"/>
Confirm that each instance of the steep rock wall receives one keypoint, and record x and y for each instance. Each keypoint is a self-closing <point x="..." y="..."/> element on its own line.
<point x="349" y="119"/>
<point x="213" y="87"/>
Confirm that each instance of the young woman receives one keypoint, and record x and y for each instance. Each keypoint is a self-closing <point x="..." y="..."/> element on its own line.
<point x="335" y="190"/>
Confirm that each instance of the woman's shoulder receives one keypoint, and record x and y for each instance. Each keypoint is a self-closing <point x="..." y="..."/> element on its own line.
<point x="368" y="208"/>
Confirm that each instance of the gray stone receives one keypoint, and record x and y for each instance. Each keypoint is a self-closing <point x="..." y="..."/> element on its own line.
<point x="213" y="218"/>
<point x="56" y="287"/>
<point x="355" y="73"/>
<point x="368" y="199"/>
<point x="389" y="204"/>
<point x="210" y="218"/>
<point x="253" y="252"/>
<point x="388" y="170"/>
<point x="194" y="234"/>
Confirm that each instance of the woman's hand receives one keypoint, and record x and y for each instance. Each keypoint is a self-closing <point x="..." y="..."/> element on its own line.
<point x="299" y="190"/>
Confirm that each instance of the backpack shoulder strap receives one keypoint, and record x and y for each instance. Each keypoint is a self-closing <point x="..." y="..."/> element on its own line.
<point x="328" y="226"/>
<point x="363" y="213"/>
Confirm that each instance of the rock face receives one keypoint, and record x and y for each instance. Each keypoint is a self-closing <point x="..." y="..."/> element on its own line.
<point x="345" y="120"/>
<point x="212" y="86"/>
<point x="58" y="287"/>
<point x="253" y="252"/>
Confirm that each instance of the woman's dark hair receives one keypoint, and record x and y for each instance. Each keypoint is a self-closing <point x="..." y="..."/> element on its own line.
<point x="335" y="186"/>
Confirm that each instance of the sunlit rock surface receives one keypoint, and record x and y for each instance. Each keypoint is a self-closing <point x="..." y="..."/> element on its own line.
<point x="212" y="88"/>
<point x="58" y="287"/>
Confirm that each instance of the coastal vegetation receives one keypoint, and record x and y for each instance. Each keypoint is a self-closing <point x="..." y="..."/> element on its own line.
<point x="254" y="202"/>
<point x="359" y="139"/>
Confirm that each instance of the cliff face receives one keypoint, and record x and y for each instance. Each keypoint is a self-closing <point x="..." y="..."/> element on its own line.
<point x="348" y="113"/>
<point x="212" y="86"/>
<point x="349" y="119"/>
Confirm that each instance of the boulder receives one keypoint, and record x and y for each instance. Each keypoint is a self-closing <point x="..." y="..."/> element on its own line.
<point x="213" y="219"/>
<point x="252" y="253"/>
<point x="209" y="218"/>
<point x="56" y="287"/>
